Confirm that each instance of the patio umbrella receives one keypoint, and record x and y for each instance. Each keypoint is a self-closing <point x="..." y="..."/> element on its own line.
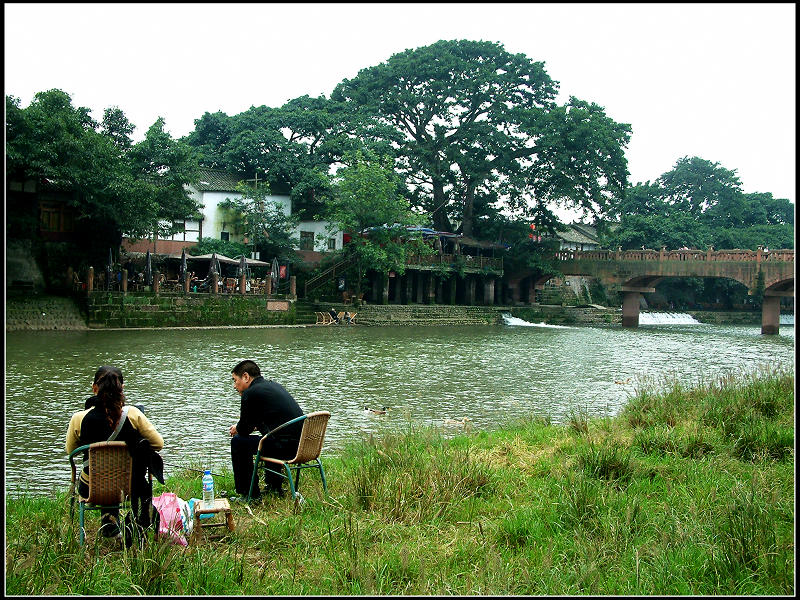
<point x="183" y="269"/>
<point x="109" y="269"/>
<point x="148" y="270"/>
<point x="274" y="273"/>
<point x="215" y="267"/>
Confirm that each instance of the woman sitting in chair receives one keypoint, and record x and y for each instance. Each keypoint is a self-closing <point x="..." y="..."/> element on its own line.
<point x="107" y="417"/>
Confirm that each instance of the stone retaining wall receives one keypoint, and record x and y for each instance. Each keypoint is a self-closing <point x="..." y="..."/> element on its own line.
<point x="37" y="313"/>
<point x="568" y="315"/>
<point x="143" y="309"/>
<point x="112" y="309"/>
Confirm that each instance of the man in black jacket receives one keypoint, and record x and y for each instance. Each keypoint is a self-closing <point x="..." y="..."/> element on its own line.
<point x="265" y="406"/>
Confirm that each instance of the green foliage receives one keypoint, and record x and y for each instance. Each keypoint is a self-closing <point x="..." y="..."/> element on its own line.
<point x="295" y="145"/>
<point x="609" y="462"/>
<point x="367" y="205"/>
<point x="490" y="132"/>
<point x="699" y="204"/>
<point x="114" y="186"/>
<point x="224" y="247"/>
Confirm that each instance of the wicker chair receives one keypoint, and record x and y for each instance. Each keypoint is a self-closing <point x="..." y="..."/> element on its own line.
<point x="312" y="437"/>
<point x="110" y="467"/>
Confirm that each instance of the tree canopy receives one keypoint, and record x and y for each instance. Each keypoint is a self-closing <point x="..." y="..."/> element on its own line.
<point x="697" y="204"/>
<point x="113" y="184"/>
<point x="471" y="121"/>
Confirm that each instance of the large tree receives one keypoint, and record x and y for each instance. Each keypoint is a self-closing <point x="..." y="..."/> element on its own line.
<point x="471" y="122"/>
<point x="291" y="147"/>
<point x="113" y="185"/>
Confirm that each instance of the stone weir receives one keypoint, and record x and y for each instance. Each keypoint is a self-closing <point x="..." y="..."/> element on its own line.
<point x="421" y="314"/>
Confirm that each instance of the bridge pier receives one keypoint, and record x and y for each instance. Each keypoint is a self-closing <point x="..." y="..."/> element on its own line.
<point x="770" y="315"/>
<point x="630" y="309"/>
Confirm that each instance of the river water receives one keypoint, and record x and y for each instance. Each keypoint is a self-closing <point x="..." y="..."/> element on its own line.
<point x="490" y="374"/>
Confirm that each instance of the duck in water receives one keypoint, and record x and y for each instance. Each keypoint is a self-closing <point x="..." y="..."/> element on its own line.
<point x="375" y="411"/>
<point x="462" y="422"/>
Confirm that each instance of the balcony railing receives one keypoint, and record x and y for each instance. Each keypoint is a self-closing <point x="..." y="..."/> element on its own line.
<point x="476" y="263"/>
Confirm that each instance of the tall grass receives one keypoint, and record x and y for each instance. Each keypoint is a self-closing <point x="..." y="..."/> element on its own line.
<point x="690" y="490"/>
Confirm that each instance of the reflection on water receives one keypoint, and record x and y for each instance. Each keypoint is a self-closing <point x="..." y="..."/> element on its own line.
<point x="489" y="374"/>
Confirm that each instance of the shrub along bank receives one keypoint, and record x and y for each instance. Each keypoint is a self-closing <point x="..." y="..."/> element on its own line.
<point x="690" y="490"/>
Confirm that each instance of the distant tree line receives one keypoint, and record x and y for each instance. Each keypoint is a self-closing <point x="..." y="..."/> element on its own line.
<point x="699" y="204"/>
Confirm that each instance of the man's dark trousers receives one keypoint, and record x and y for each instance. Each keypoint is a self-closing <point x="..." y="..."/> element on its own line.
<point x="243" y="449"/>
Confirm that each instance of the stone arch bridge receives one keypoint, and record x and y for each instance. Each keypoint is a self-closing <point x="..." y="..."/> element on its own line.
<point x="634" y="272"/>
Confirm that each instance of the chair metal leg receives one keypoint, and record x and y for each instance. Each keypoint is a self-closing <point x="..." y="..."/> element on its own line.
<point x="291" y="480"/>
<point x="322" y="475"/>
<point x="81" y="524"/>
<point x="254" y="478"/>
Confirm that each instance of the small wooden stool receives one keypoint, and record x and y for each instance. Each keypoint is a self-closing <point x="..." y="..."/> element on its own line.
<point x="221" y="505"/>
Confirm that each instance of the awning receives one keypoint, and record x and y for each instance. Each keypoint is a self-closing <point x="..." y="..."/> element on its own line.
<point x="221" y="258"/>
<point x="252" y="262"/>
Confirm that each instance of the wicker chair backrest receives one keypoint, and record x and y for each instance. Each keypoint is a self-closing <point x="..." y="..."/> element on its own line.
<point x="110" y="466"/>
<point x="311" y="437"/>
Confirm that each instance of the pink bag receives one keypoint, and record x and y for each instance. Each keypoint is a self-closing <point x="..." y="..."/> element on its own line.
<point x="171" y="517"/>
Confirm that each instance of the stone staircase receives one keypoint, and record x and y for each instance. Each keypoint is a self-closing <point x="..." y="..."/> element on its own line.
<point x="37" y="313"/>
<point x="562" y="295"/>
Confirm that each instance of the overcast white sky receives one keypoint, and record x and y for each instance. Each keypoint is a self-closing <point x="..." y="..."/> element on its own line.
<point x="709" y="80"/>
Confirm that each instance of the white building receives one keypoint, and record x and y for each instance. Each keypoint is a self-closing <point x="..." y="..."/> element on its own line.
<point x="211" y="189"/>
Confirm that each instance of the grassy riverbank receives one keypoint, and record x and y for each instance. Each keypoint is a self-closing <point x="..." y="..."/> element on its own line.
<point x="690" y="490"/>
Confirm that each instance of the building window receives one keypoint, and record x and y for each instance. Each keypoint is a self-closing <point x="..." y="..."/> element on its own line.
<point x="56" y="217"/>
<point x="225" y="236"/>
<point x="190" y="231"/>
<point x="306" y="240"/>
<point x="332" y="244"/>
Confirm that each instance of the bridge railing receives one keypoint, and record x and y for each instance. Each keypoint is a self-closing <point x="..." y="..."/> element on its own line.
<point x="736" y="255"/>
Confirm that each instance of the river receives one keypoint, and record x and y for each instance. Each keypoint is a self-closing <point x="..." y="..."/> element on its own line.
<point x="490" y="374"/>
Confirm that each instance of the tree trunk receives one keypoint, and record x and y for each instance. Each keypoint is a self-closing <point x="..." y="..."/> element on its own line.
<point x="469" y="205"/>
<point x="439" y="209"/>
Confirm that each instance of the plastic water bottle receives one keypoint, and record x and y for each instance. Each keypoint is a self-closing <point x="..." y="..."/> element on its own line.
<point x="208" y="490"/>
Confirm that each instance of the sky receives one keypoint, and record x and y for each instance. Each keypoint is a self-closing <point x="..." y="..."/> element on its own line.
<point x="710" y="80"/>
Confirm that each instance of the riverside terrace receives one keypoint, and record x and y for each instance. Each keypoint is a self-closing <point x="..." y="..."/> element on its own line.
<point x="630" y="272"/>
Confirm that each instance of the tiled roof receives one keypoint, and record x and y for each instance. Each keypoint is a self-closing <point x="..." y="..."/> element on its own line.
<point x="588" y="230"/>
<point x="576" y="237"/>
<point x="213" y="180"/>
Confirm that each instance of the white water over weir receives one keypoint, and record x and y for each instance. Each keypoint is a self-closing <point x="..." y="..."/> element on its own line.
<point x="666" y="318"/>
<point x="517" y="322"/>
<point x="645" y="318"/>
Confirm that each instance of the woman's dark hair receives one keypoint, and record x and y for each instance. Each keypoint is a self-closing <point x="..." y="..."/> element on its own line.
<point x="109" y="395"/>
<point x="106" y="369"/>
